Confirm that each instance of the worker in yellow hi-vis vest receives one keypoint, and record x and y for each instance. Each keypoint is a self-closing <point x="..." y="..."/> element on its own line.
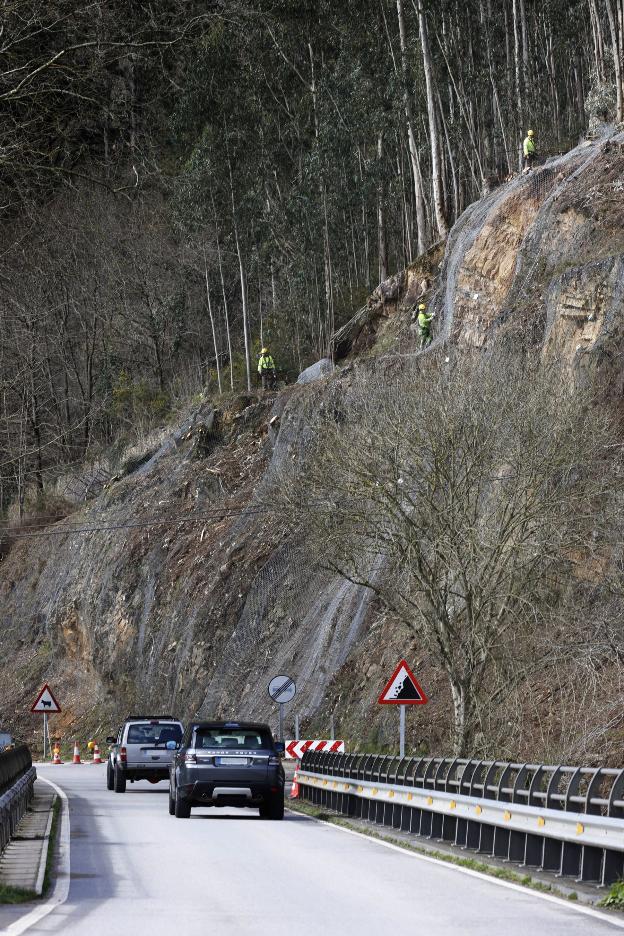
<point x="266" y="369"/>
<point x="529" y="150"/>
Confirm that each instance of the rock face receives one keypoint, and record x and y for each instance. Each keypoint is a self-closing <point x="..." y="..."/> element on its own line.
<point x="177" y="586"/>
<point x="541" y="259"/>
<point x="322" y="368"/>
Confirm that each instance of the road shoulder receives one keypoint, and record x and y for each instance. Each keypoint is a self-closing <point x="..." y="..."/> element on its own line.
<point x="18" y="918"/>
<point x="441" y="853"/>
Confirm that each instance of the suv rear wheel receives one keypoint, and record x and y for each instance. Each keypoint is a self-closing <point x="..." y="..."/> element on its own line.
<point x="273" y="808"/>
<point x="119" y="781"/>
<point x="110" y="777"/>
<point x="182" y="808"/>
<point x="171" y="802"/>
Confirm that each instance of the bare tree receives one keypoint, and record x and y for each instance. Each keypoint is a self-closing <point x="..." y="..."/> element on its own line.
<point x="459" y="496"/>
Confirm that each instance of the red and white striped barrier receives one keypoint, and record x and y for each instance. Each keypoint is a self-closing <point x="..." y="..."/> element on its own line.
<point x="296" y="749"/>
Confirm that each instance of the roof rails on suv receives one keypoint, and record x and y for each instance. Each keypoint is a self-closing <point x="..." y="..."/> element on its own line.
<point x="150" y="717"/>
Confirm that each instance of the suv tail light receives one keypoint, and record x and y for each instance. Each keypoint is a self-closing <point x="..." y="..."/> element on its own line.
<point x="123" y="755"/>
<point x="190" y="757"/>
<point x="274" y="761"/>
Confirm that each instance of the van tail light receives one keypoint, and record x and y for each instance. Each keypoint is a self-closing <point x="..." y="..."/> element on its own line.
<point x="123" y="755"/>
<point x="190" y="757"/>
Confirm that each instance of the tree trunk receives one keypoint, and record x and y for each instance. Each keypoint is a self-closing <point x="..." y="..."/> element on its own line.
<point x="517" y="65"/>
<point x="381" y="215"/>
<point x="413" y="149"/>
<point x="212" y="325"/>
<point x="225" y="302"/>
<point x="243" y="282"/>
<point x="617" y="63"/>
<point x="461" y="719"/>
<point x="436" y="165"/>
<point x="329" y="305"/>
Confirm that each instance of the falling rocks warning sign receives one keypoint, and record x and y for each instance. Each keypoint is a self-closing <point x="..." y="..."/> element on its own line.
<point x="402" y="688"/>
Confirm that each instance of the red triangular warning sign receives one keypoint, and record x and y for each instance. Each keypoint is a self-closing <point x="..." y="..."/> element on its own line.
<point x="402" y="688"/>
<point x="45" y="702"/>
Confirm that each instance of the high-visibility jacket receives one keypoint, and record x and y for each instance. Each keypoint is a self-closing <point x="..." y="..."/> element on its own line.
<point x="266" y="363"/>
<point x="424" y="321"/>
<point x="529" y="147"/>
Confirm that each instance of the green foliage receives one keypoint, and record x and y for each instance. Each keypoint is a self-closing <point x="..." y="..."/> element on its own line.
<point x="615" y="897"/>
<point x="136" y="401"/>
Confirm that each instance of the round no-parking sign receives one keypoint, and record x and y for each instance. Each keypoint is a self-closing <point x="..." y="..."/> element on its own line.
<point x="282" y="689"/>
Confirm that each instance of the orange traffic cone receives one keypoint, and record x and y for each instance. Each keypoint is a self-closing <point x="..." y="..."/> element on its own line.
<point x="96" y="754"/>
<point x="294" y="790"/>
<point x="76" y="758"/>
<point x="56" y="754"/>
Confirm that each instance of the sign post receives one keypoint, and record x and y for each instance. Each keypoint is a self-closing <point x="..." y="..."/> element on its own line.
<point x="402" y="730"/>
<point x="282" y="690"/>
<point x="402" y="689"/>
<point x="46" y="704"/>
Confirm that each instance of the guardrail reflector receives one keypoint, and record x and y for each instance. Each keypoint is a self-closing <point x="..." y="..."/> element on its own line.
<point x="580" y="828"/>
<point x="390" y="794"/>
<point x="506" y="815"/>
<point x="410" y="796"/>
<point x="360" y="789"/>
<point x="478" y="810"/>
<point x="430" y="801"/>
<point x="346" y="786"/>
<point x="541" y="822"/>
<point x="374" y="791"/>
<point x="452" y="804"/>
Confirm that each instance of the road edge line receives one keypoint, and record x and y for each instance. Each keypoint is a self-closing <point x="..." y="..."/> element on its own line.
<point x="510" y="885"/>
<point x="60" y="890"/>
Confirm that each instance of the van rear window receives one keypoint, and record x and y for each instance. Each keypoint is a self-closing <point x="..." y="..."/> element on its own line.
<point x="153" y="734"/>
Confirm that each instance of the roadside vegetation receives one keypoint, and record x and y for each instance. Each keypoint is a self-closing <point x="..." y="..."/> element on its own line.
<point x="480" y="500"/>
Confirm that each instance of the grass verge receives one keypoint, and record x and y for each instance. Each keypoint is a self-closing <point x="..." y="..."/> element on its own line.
<point x="15" y="895"/>
<point x="18" y="895"/>
<point x="615" y="898"/>
<point x="504" y="874"/>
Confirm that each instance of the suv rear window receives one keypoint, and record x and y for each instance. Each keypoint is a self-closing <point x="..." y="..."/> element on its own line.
<point x="153" y="734"/>
<point x="244" y="739"/>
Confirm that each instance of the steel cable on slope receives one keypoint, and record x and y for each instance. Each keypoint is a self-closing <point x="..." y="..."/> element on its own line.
<point x="217" y="514"/>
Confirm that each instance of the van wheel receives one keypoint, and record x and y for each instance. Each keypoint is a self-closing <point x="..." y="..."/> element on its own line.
<point x="119" y="781"/>
<point x="110" y="778"/>
<point x="182" y="808"/>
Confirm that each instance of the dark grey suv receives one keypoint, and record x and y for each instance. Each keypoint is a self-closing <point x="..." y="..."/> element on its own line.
<point x="227" y="764"/>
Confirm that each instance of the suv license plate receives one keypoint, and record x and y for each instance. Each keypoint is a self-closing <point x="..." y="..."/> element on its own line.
<point x="232" y="761"/>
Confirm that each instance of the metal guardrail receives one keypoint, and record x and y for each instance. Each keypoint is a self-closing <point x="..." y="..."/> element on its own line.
<point x="567" y="820"/>
<point x="17" y="778"/>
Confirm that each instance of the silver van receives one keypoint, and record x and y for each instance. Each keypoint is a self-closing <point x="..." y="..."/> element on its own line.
<point x="142" y="750"/>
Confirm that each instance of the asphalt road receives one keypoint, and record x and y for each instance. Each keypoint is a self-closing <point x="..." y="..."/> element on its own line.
<point x="136" y="870"/>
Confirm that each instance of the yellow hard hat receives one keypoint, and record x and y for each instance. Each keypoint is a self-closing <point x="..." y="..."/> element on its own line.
<point x="530" y="133"/>
<point x="422" y="307"/>
<point x="264" y="351"/>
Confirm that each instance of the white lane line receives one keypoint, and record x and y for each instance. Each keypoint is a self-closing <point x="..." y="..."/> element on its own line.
<point x="60" y="890"/>
<point x="527" y="891"/>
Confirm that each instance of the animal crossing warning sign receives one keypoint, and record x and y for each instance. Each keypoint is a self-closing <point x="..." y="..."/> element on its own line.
<point x="402" y="688"/>
<point x="45" y="702"/>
